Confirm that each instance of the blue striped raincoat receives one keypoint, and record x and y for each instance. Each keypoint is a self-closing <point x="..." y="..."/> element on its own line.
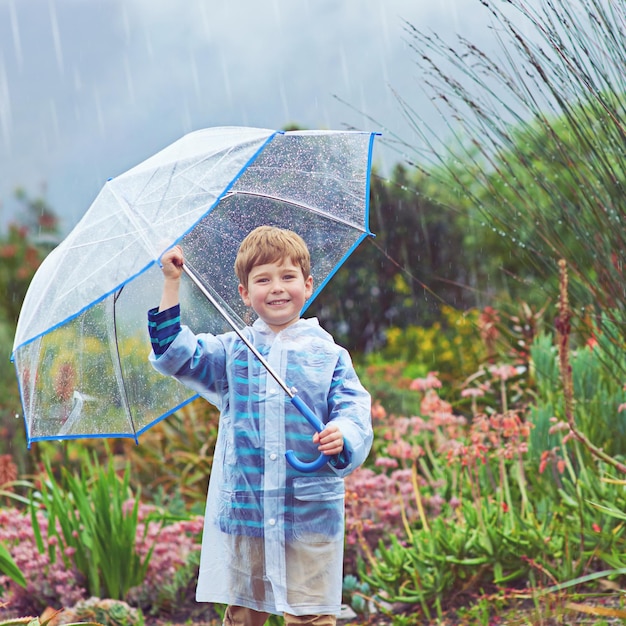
<point x="273" y="537"/>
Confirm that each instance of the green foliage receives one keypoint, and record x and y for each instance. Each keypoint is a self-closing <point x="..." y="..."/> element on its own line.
<point x="9" y="568"/>
<point x="482" y="544"/>
<point x="597" y="373"/>
<point x="404" y="273"/>
<point x="389" y="384"/>
<point x="539" y="161"/>
<point x="355" y="593"/>
<point x="20" y="259"/>
<point x="95" y="514"/>
<point x="456" y="554"/>
<point x="520" y="501"/>
<point x="173" y="460"/>
<point x="501" y="495"/>
<point x="451" y="346"/>
<point x="22" y="249"/>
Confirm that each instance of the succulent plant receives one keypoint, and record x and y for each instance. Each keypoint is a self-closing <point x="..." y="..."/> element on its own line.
<point x="104" y="612"/>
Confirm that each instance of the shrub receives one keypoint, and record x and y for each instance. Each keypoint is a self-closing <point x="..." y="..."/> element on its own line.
<point x="173" y="567"/>
<point x="48" y="583"/>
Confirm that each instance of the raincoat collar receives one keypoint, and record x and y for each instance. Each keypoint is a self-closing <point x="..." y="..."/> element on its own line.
<point x="297" y="327"/>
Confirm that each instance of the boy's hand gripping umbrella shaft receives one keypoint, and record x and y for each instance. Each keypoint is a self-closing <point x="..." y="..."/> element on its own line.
<point x="315" y="422"/>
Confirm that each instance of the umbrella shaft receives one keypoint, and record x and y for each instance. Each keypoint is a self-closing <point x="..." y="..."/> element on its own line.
<point x="222" y="311"/>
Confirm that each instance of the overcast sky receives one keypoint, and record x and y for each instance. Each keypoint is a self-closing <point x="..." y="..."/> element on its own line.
<point x="89" y="88"/>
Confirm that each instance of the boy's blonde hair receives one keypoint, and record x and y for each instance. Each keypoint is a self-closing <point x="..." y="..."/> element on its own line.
<point x="269" y="244"/>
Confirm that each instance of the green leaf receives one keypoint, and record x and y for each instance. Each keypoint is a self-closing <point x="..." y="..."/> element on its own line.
<point x="9" y="567"/>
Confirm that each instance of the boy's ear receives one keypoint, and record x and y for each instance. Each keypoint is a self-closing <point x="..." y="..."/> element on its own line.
<point x="245" y="296"/>
<point x="308" y="286"/>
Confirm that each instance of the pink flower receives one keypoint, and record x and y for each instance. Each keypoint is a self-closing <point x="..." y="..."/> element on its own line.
<point x="432" y="403"/>
<point x="400" y="450"/>
<point x="503" y="372"/>
<point x="430" y="382"/>
<point x="472" y="392"/>
<point x="385" y="461"/>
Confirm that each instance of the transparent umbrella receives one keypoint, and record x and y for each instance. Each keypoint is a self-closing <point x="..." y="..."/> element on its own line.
<point x="81" y="343"/>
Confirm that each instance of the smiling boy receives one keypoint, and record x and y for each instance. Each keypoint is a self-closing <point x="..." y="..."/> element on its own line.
<point x="273" y="536"/>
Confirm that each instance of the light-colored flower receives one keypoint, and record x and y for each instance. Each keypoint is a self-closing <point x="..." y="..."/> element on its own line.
<point x="423" y="384"/>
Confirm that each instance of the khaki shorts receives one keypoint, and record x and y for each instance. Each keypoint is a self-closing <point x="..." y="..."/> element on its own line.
<point x="307" y="577"/>
<point x="241" y="616"/>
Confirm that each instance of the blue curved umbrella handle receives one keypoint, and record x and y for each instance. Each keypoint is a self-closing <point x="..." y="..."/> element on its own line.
<point x="292" y="459"/>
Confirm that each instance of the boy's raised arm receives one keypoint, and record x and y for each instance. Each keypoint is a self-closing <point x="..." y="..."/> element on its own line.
<point x="172" y="267"/>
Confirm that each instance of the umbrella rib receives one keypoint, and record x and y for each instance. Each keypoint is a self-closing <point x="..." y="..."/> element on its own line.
<point x="117" y="364"/>
<point x="311" y="209"/>
<point x="134" y="218"/>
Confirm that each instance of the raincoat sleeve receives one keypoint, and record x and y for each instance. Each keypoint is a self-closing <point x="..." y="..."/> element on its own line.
<point x="197" y="361"/>
<point x="163" y="327"/>
<point x="350" y="408"/>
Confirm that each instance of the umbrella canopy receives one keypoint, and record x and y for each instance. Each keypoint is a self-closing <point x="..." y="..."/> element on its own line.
<point x="81" y="343"/>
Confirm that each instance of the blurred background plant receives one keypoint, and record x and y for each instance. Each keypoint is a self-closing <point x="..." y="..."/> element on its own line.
<point x="538" y="166"/>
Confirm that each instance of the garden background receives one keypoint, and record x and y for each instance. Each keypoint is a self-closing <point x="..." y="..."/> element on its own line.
<point x="487" y="320"/>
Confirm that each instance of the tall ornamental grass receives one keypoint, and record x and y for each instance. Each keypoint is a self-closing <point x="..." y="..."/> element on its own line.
<point x="538" y="128"/>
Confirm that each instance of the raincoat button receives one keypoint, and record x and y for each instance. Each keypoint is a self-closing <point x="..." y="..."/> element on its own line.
<point x="273" y="456"/>
<point x="272" y="522"/>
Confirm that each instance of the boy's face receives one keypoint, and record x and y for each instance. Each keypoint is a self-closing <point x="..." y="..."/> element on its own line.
<point x="277" y="292"/>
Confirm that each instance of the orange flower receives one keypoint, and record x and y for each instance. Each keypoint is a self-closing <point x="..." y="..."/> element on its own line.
<point x="378" y="411"/>
<point x="8" y="469"/>
<point x="65" y="382"/>
<point x="8" y="251"/>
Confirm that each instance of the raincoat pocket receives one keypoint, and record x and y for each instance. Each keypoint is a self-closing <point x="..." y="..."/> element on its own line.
<point x="240" y="513"/>
<point x="318" y="509"/>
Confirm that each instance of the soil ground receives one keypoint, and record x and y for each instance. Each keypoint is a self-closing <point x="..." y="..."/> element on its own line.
<point x="604" y="611"/>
